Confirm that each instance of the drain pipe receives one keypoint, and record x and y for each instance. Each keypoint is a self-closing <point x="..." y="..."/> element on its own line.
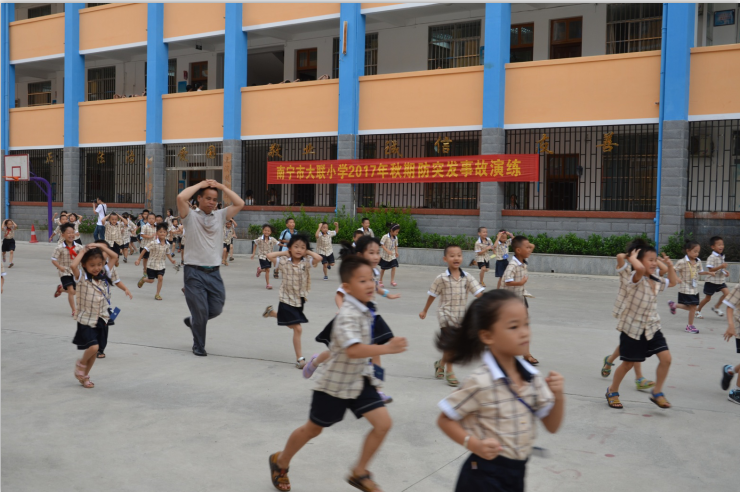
<point x="661" y="117"/>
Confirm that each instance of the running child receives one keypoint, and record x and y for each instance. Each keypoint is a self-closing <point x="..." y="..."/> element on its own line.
<point x="365" y="229"/>
<point x="124" y="224"/>
<point x="503" y="242"/>
<point x="169" y="217"/>
<point x="482" y="246"/>
<point x="347" y="380"/>
<point x="58" y="231"/>
<point x="229" y="236"/>
<point x="62" y="258"/>
<point x="323" y="245"/>
<point x="148" y="234"/>
<point x="284" y="239"/>
<point x="110" y="270"/>
<point x="76" y="220"/>
<point x="493" y="414"/>
<point x="715" y="281"/>
<point x="639" y="324"/>
<point x="263" y="246"/>
<point x="176" y="236"/>
<point x="688" y="270"/>
<point x="113" y="233"/>
<point x="452" y="288"/>
<point x="294" y="289"/>
<point x="9" y="228"/>
<point x="357" y="235"/>
<point x="158" y="251"/>
<point x="389" y="253"/>
<point x="517" y="274"/>
<point x="733" y="330"/>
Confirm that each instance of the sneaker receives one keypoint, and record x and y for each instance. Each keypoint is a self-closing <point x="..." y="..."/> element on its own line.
<point x="672" y="307"/>
<point x="386" y="398"/>
<point x="698" y="315"/>
<point x="691" y="329"/>
<point x="231" y="258"/>
<point x="718" y="312"/>
<point x="309" y="369"/>
<point x="268" y="287"/>
<point x="726" y="377"/>
<point x="326" y="278"/>
<point x="172" y="254"/>
<point x="328" y="267"/>
<point x="125" y="260"/>
<point x="300" y="363"/>
<point x="734" y="396"/>
<point x="527" y="294"/>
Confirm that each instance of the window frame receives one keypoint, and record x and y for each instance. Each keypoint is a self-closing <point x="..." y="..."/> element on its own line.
<point x="519" y="46"/>
<point x="434" y="61"/>
<point x="567" y="41"/>
<point x="104" y="92"/>
<point x="38" y="93"/>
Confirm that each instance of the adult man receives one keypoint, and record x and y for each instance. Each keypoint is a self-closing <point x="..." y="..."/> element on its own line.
<point x="204" y="289"/>
<point x="101" y="210"/>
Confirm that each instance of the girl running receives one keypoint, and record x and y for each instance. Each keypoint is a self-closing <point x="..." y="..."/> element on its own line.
<point x="688" y="270"/>
<point x="389" y="253"/>
<point x="9" y="228"/>
<point x="323" y="245"/>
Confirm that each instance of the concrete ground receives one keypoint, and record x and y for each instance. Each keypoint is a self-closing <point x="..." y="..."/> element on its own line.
<point x="163" y="419"/>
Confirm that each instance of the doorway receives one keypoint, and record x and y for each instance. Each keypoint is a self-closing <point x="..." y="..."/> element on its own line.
<point x="199" y="75"/>
<point x="562" y="182"/>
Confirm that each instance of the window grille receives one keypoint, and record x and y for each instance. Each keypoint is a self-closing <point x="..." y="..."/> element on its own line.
<point x="419" y="195"/>
<point x="115" y="174"/>
<point x="101" y="83"/>
<point x="254" y="171"/>
<point x="371" y="55"/>
<point x="43" y="163"/>
<point x="39" y="93"/>
<point x="454" y="45"/>
<point x="580" y="174"/>
<point x="714" y="166"/>
<point x="39" y="11"/>
<point x="633" y="27"/>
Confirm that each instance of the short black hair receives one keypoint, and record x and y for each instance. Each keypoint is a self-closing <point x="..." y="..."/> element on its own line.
<point x="517" y="242"/>
<point x="450" y="246"/>
<point x="350" y="264"/>
<point x="162" y="226"/>
<point x="63" y="211"/>
<point x="358" y="233"/>
<point x="288" y="220"/>
<point x="714" y="239"/>
<point x="145" y="211"/>
<point x="66" y="226"/>
<point x="70" y="215"/>
<point x="364" y="219"/>
<point x="690" y="244"/>
<point x="481" y="228"/>
<point x="159" y="217"/>
<point x="268" y="226"/>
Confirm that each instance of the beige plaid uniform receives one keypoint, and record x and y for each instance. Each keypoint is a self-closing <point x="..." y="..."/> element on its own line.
<point x="453" y="296"/>
<point x="733" y="301"/>
<point x="391" y="244"/>
<point x="92" y="300"/>
<point x="61" y="255"/>
<point x="9" y="233"/>
<point x="688" y="275"/>
<point x="124" y="232"/>
<point x="714" y="261"/>
<point x="516" y="271"/>
<point x="640" y="313"/>
<point x="58" y="232"/>
<point x="296" y="281"/>
<point x="368" y="232"/>
<point x="228" y="234"/>
<point x="624" y="277"/>
<point x="157" y="254"/>
<point x="480" y="255"/>
<point x="265" y="246"/>
<point x="147" y="229"/>
<point x="342" y="376"/>
<point x="323" y="243"/>
<point x="112" y="273"/>
<point x="131" y="228"/>
<point x="502" y="249"/>
<point x="113" y="234"/>
<point x="486" y="407"/>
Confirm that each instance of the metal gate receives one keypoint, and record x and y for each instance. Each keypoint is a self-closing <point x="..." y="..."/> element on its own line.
<point x="188" y="164"/>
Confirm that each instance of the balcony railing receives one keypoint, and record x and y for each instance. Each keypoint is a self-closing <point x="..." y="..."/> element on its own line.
<point x="38" y="126"/>
<point x="113" y="25"/>
<point x="190" y="115"/>
<point x="37" y="38"/>
<point x="113" y="121"/>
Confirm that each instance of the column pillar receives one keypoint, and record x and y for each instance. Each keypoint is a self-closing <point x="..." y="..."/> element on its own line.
<point x="351" y="67"/>
<point x="8" y="94"/>
<point x="495" y="57"/>
<point x="157" y="68"/>
<point x="678" y="41"/>
<point x="74" y="94"/>
<point x="235" y="77"/>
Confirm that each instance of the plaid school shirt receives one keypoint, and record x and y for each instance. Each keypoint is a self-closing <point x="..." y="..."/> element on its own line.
<point x="157" y="254"/>
<point x="640" y="313"/>
<point x="733" y="301"/>
<point x="147" y="229"/>
<point x="131" y="228"/>
<point x="486" y="407"/>
<point x="480" y="255"/>
<point x="228" y="235"/>
<point x="112" y="273"/>
<point x="265" y="245"/>
<point x="625" y="273"/>
<point x="515" y="272"/>
<point x="63" y="256"/>
<point x="368" y="232"/>
<point x="124" y="232"/>
<point x="113" y="234"/>
<point x="502" y="249"/>
<point x="9" y="233"/>
<point x="714" y="261"/>
<point x="58" y="232"/>
<point x="323" y="243"/>
<point x="296" y="281"/>
<point x="92" y="300"/>
<point x="688" y="275"/>
<point x="453" y="296"/>
<point x="342" y="376"/>
<point x="390" y="243"/>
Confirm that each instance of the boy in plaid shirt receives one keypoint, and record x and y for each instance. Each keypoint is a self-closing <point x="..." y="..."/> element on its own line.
<point x="452" y="288"/>
<point x="113" y="232"/>
<point x="63" y="219"/>
<point x="347" y="380"/>
<point x="62" y="259"/>
<point x="482" y="246"/>
<point x="229" y="235"/>
<point x="733" y="330"/>
<point x="501" y="251"/>
<point x="148" y="233"/>
<point x="323" y="245"/>
<point x="516" y="275"/>
<point x="715" y="282"/>
<point x="158" y="251"/>
<point x="263" y="246"/>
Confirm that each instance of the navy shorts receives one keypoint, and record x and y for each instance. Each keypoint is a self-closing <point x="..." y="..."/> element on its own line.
<point x="265" y="264"/>
<point x="501" y="267"/>
<point x="153" y="274"/>
<point x="327" y="410"/>
<point x="327" y="259"/>
<point x="497" y="475"/>
<point x="710" y="289"/>
<point x="387" y="265"/>
<point x="68" y="280"/>
<point x="688" y="299"/>
<point x="146" y="253"/>
<point x="632" y="350"/>
<point x="483" y="264"/>
<point x="8" y="245"/>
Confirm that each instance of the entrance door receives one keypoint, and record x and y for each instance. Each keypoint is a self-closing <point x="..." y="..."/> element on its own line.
<point x="562" y="182"/>
<point x="199" y="74"/>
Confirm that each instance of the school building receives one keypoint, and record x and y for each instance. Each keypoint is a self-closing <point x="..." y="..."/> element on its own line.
<point x="634" y="109"/>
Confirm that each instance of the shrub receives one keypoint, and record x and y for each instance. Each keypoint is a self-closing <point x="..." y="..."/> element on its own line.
<point x="594" y="245"/>
<point x="88" y="224"/>
<point x="674" y="248"/>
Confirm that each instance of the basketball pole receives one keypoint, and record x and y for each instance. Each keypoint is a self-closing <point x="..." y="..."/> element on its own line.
<point x="36" y="180"/>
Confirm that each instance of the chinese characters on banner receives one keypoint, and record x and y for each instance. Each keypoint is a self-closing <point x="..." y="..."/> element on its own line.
<point x="472" y="168"/>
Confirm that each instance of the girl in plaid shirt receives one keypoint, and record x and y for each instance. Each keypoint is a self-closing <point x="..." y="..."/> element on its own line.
<point x="9" y="228"/>
<point x="323" y="245"/>
<point x="263" y="246"/>
<point x="389" y="253"/>
<point x="294" y="289"/>
<point x="229" y="235"/>
<point x="688" y="270"/>
<point x="76" y="221"/>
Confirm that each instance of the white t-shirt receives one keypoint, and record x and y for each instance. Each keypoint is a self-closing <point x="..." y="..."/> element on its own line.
<point x="100" y="209"/>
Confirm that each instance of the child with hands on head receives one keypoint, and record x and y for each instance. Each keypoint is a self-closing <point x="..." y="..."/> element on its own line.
<point x="688" y="270"/>
<point x="62" y="258"/>
<point x="389" y="253"/>
<point x="158" y="251"/>
<point x="263" y="246"/>
<point x="482" y="246"/>
<point x="323" y="245"/>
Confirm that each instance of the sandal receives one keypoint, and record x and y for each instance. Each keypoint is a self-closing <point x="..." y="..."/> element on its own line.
<point x="672" y="307"/>
<point x="452" y="380"/>
<point x="660" y="400"/>
<point x="300" y="363"/>
<point x="363" y="482"/>
<point x="158" y="297"/>
<point x="267" y="312"/>
<point x="276" y="275"/>
<point x="394" y="284"/>
<point x="606" y="369"/>
<point x="532" y="360"/>
<point x="643" y="384"/>
<point x="613" y="399"/>
<point x="59" y="291"/>
<point x="101" y="355"/>
<point x="439" y="371"/>
<point x="11" y="265"/>
<point x="310" y="368"/>
<point x="79" y="371"/>
<point x="279" y="475"/>
<point x="268" y="287"/>
<point x="87" y="383"/>
<point x="259" y="271"/>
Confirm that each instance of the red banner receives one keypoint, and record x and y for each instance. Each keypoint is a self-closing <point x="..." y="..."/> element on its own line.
<point x="471" y="168"/>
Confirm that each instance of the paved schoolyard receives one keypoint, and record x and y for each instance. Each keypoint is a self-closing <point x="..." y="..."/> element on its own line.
<point x="163" y="419"/>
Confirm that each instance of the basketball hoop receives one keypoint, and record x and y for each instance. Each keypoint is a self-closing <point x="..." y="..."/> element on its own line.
<point x="12" y="178"/>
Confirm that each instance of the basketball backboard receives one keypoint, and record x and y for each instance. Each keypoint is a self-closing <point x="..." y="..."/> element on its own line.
<point x="16" y="168"/>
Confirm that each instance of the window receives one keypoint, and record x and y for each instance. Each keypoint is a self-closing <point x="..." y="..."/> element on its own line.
<point x="101" y="83"/>
<point x="39" y="93"/>
<point x="522" y="43"/>
<point x="629" y="175"/>
<point x="454" y="45"/>
<point x="562" y="182"/>
<point x="171" y="78"/>
<point x="306" y="64"/>
<point x="633" y="27"/>
<point x="199" y="75"/>
<point x="39" y="11"/>
<point x="565" y="38"/>
<point x="371" y="55"/>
